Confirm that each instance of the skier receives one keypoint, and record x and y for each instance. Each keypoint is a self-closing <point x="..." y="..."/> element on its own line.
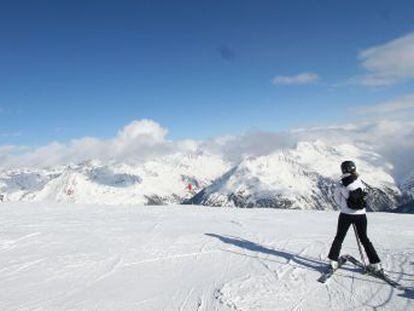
<point x="350" y="196"/>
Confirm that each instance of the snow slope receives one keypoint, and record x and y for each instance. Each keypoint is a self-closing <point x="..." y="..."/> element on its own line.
<point x="72" y="257"/>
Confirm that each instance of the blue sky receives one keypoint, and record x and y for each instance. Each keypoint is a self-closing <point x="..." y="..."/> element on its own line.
<point x="201" y="69"/>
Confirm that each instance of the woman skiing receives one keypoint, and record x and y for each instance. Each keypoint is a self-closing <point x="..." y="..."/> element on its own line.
<point x="350" y="196"/>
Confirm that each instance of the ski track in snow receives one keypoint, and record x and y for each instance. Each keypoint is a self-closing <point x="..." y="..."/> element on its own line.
<point x="63" y="257"/>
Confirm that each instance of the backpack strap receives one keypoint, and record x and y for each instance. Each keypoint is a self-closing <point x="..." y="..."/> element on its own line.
<point x="349" y="179"/>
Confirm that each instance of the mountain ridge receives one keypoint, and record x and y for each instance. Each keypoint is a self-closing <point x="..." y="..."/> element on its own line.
<point x="297" y="178"/>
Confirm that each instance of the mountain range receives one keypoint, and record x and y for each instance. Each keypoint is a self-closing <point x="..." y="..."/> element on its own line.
<point x="302" y="177"/>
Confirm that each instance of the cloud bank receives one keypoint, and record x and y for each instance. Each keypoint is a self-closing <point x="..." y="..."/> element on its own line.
<point x="138" y="141"/>
<point x="393" y="139"/>
<point x="145" y="139"/>
<point x="402" y="103"/>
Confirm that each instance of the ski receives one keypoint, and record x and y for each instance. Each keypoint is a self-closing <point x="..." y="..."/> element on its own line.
<point x="329" y="272"/>
<point x="355" y="262"/>
<point x="378" y="274"/>
<point x="383" y="276"/>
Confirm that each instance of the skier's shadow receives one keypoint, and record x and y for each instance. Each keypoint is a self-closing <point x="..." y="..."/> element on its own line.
<point x="291" y="258"/>
<point x="409" y="293"/>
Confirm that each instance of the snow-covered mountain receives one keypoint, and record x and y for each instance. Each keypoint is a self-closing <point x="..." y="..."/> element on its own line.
<point x="407" y="186"/>
<point x="300" y="178"/>
<point x="160" y="181"/>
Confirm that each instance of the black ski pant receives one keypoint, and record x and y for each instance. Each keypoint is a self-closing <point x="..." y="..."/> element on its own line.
<point x="360" y="222"/>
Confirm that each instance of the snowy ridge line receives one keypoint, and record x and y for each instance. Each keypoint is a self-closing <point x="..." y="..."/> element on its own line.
<point x="303" y="177"/>
<point x="160" y="181"/>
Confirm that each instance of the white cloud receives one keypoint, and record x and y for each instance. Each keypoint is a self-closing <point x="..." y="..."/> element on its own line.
<point x="143" y="130"/>
<point x="146" y="139"/>
<point x="390" y="138"/>
<point x="401" y="103"/>
<point x="301" y="78"/>
<point x="388" y="63"/>
<point x="137" y="141"/>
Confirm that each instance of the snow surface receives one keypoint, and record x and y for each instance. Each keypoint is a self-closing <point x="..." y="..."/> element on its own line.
<point x="72" y="257"/>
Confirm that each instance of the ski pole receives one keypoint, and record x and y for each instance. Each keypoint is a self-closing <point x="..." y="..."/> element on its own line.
<point x="361" y="252"/>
